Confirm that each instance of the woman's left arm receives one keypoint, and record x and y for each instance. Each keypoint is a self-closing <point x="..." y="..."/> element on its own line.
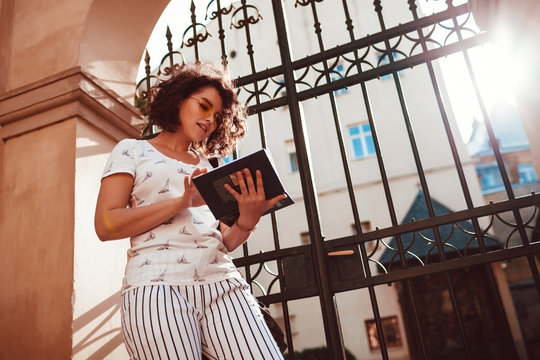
<point x="252" y="204"/>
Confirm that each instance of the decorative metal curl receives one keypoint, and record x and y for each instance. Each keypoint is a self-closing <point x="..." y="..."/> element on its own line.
<point x="456" y="27"/>
<point x="358" y="61"/>
<point x="258" y="92"/>
<point x="246" y="20"/>
<point x="306" y="2"/>
<point x="300" y="79"/>
<point x="275" y="277"/>
<point x="405" y="251"/>
<point x="327" y="71"/>
<point x="427" y="38"/>
<point x="390" y="52"/>
<point x="220" y="11"/>
<point x="170" y="56"/>
<point x="281" y="87"/>
<point x="198" y="36"/>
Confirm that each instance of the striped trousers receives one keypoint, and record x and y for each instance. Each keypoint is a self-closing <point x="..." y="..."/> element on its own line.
<point x="221" y="320"/>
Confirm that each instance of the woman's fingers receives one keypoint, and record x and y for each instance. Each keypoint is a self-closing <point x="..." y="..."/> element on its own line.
<point x="232" y="192"/>
<point x="242" y="181"/>
<point x="248" y="179"/>
<point x="260" y="186"/>
<point x="276" y="199"/>
<point x="250" y="188"/>
<point x="198" y="171"/>
<point x="186" y="183"/>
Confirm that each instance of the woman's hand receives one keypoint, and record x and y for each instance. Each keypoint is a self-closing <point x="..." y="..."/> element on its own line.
<point x="251" y="199"/>
<point x="191" y="196"/>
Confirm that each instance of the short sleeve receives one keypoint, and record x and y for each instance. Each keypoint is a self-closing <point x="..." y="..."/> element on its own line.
<point x="122" y="159"/>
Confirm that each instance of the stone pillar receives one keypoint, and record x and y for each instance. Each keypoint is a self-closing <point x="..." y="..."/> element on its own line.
<point x="59" y="284"/>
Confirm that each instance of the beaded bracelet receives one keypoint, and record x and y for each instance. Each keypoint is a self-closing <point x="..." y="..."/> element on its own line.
<point x="243" y="228"/>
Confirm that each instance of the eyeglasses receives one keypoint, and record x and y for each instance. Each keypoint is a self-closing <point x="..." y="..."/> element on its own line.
<point x="206" y="109"/>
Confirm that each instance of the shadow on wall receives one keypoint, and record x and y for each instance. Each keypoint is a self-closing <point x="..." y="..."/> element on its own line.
<point x="108" y="307"/>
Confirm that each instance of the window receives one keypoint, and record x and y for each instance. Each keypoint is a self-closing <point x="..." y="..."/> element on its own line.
<point x="364" y="225"/>
<point x="293" y="161"/>
<point x="304" y="238"/>
<point x="490" y="176"/>
<point x="340" y="70"/>
<point x="383" y="59"/>
<point x="390" y="329"/>
<point x="291" y="150"/>
<point x="526" y="173"/>
<point x="361" y="141"/>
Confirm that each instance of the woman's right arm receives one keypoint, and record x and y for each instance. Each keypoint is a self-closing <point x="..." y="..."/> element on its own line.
<point x="115" y="220"/>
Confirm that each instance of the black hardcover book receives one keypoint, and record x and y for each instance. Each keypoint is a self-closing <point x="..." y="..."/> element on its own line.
<point x="222" y="204"/>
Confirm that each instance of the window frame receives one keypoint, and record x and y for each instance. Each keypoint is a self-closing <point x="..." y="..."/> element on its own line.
<point x="365" y="138"/>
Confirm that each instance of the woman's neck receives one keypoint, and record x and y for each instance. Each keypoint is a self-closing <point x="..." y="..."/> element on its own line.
<point x="174" y="146"/>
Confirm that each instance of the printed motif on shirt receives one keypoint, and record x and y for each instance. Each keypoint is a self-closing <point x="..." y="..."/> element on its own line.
<point x="186" y="248"/>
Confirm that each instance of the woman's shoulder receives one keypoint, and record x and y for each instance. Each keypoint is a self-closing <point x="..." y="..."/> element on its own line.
<point x="133" y="147"/>
<point x="133" y="143"/>
<point x="125" y="143"/>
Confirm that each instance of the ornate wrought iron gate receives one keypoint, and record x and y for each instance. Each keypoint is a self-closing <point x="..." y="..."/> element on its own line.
<point x="396" y="47"/>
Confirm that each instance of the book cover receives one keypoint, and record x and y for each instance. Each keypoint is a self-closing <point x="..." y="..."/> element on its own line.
<point x="222" y="204"/>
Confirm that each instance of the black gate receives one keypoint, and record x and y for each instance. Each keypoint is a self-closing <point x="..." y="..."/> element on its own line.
<point x="441" y="264"/>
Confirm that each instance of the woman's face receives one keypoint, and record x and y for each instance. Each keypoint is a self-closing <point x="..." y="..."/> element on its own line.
<point x="199" y="113"/>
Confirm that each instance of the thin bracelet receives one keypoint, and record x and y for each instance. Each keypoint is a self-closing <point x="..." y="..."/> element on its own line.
<point x="243" y="228"/>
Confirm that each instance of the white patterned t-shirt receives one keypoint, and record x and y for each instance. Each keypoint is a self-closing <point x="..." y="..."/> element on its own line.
<point x="186" y="249"/>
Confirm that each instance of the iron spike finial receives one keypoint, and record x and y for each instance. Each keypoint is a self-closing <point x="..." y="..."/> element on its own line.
<point x="146" y="57"/>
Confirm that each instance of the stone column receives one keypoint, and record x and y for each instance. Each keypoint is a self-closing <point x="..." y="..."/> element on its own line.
<point x="59" y="284"/>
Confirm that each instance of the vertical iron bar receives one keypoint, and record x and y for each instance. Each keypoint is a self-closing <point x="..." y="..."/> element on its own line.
<point x="464" y="186"/>
<point x="421" y="175"/>
<point x="326" y="298"/>
<point x="498" y="156"/>
<point x="168" y="35"/>
<point x="365" y="262"/>
<point x="459" y="318"/>
<point x="448" y="129"/>
<point x="288" y="330"/>
<point x="194" y="25"/>
<point x="221" y="36"/>
<point x="410" y="133"/>
<point x="262" y="129"/>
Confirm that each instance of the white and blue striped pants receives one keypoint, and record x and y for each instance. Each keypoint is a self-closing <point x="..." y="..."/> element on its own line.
<point x="221" y="320"/>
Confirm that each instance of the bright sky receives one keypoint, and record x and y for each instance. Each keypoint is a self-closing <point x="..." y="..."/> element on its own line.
<point x="490" y="66"/>
<point x="488" y="59"/>
<point x="157" y="43"/>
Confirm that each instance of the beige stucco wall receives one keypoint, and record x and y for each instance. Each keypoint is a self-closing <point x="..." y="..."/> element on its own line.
<point x="43" y="38"/>
<point x="36" y="238"/>
<point x="98" y="267"/>
<point x="61" y="291"/>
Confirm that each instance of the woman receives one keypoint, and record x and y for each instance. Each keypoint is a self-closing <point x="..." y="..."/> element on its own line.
<point x="182" y="296"/>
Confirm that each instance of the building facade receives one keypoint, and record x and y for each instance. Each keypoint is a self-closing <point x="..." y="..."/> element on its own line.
<point x="68" y="75"/>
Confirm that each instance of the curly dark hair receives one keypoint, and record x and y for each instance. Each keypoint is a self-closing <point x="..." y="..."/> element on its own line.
<point x="166" y="95"/>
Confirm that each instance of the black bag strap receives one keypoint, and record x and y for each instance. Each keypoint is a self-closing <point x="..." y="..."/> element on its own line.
<point x="214" y="162"/>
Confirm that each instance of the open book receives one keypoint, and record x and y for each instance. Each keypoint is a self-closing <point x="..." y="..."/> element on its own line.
<point x="222" y="204"/>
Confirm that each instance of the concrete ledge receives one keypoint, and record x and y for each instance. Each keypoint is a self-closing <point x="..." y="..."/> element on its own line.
<point x="71" y="93"/>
